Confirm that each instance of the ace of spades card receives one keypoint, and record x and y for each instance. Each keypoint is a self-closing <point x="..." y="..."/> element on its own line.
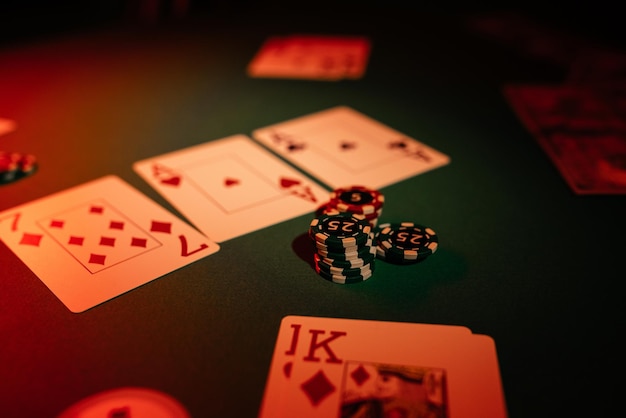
<point x="95" y="241"/>
<point x="348" y="368"/>
<point x="340" y="146"/>
<point x="231" y="186"/>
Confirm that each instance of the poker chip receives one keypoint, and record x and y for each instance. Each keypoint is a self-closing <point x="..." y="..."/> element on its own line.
<point x="320" y="264"/>
<point x="345" y="279"/>
<point x="394" y="259"/>
<point x="340" y="230"/>
<point x="344" y="246"/>
<point x="9" y="167"/>
<point x="28" y="164"/>
<point x="344" y="276"/>
<point x="359" y="262"/>
<point x="347" y="238"/>
<point x="14" y="166"/>
<point x="361" y="253"/>
<point x="344" y="249"/>
<point x="357" y="199"/>
<point x="405" y="242"/>
<point x="344" y="264"/>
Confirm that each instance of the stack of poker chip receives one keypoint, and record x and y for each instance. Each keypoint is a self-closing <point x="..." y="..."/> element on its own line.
<point x="14" y="165"/>
<point x="359" y="200"/>
<point x="404" y="242"/>
<point x="344" y="250"/>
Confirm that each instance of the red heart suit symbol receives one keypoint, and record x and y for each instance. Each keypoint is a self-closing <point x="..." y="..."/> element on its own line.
<point x="230" y="182"/>
<point x="286" y="183"/>
<point x="172" y="181"/>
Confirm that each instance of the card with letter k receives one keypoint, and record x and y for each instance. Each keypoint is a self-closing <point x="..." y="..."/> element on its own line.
<point x="332" y="367"/>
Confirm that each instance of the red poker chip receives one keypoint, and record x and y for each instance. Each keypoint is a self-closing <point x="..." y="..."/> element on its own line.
<point x="14" y="166"/>
<point x="9" y="166"/>
<point x="357" y="199"/>
<point x="9" y="161"/>
<point x="27" y="163"/>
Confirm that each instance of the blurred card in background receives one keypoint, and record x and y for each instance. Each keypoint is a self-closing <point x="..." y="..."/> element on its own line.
<point x="6" y="126"/>
<point x="313" y="57"/>
<point x="599" y="67"/>
<point x="580" y="129"/>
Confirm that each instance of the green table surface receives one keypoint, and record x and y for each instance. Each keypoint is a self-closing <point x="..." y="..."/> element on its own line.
<point x="522" y="258"/>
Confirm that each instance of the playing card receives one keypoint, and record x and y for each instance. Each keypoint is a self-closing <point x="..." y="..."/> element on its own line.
<point x="582" y="130"/>
<point x="98" y="240"/>
<point x="528" y="37"/>
<point x="314" y="57"/>
<point x="331" y="367"/>
<point x="231" y="186"/>
<point x="595" y="66"/>
<point x="6" y="126"/>
<point x="341" y="146"/>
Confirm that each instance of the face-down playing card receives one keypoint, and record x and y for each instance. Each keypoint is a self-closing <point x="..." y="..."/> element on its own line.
<point x="331" y="367"/>
<point x="581" y="128"/>
<point x="95" y="241"/>
<point x="340" y="146"/>
<point x="313" y="57"/>
<point x="231" y="186"/>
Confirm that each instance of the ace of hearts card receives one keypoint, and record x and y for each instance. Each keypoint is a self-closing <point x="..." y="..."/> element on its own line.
<point x="348" y="368"/>
<point x="98" y="240"/>
<point x="340" y="146"/>
<point x="231" y="186"/>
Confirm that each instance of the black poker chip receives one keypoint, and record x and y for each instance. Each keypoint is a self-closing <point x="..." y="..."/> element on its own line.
<point x="344" y="246"/>
<point x="329" y="267"/>
<point x="347" y="264"/>
<point x="359" y="253"/>
<point x="341" y="279"/>
<point x="405" y="242"/>
<point x="339" y="229"/>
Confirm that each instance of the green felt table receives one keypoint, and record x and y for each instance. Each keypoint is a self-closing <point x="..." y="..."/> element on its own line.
<point x="521" y="258"/>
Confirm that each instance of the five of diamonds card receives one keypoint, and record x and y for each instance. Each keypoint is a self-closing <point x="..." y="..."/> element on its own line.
<point x="95" y="241"/>
<point x="332" y="367"/>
